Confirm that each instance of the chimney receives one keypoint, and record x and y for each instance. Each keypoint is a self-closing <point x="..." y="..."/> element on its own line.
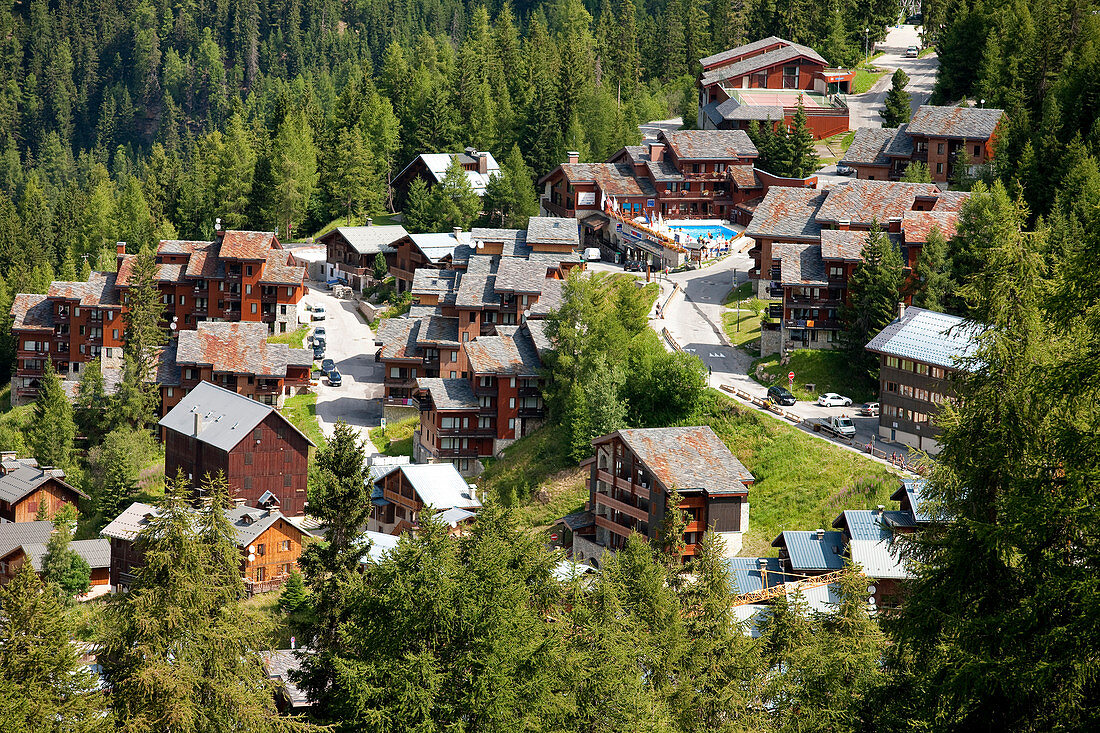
<point x="880" y="508"/>
<point x="820" y="534"/>
<point x="198" y="424"/>
<point x="120" y="248"/>
<point x="901" y="310"/>
<point x="370" y="221"/>
<point x="762" y="562"/>
<point x="456" y="231"/>
<point x="482" y="163"/>
<point x="656" y="151"/>
<point x="573" y="156"/>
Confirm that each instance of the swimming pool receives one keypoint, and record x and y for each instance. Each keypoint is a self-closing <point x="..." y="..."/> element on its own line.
<point x="705" y="231"/>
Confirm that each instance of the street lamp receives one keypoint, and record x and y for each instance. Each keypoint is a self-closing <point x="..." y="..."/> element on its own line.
<point x="866" y="42"/>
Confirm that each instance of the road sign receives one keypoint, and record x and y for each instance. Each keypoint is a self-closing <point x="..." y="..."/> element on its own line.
<point x="554" y="537"/>
<point x="790" y="376"/>
<point x="383" y="423"/>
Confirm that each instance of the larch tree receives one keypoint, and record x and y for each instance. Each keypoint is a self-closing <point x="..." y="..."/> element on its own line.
<point x="801" y="158"/>
<point x="52" y="427"/>
<point x="61" y="564"/>
<point x="43" y="686"/>
<point x="930" y="277"/>
<point x="143" y="315"/>
<point x="294" y="165"/>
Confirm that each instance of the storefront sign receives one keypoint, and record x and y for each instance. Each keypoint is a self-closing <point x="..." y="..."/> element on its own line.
<point x="586" y="198"/>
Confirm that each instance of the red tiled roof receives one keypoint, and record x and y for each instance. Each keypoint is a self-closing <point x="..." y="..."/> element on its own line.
<point x="744" y="176"/>
<point x="237" y="348"/>
<point x="165" y="273"/>
<point x="31" y="311"/>
<point x="247" y="245"/>
<point x="614" y="179"/>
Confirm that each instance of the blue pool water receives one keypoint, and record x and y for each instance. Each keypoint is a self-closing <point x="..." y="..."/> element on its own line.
<point x="702" y="231"/>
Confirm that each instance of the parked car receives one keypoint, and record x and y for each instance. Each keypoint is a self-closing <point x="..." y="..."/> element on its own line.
<point x="871" y="409"/>
<point x="319" y="333"/>
<point x="781" y="395"/>
<point x="845" y="170"/>
<point x="318" y="350"/>
<point x="318" y="313"/>
<point x="328" y="366"/>
<point x="841" y="426"/>
<point x="634" y="266"/>
<point x="832" y="399"/>
<point x="335" y="379"/>
<point x="912" y="52"/>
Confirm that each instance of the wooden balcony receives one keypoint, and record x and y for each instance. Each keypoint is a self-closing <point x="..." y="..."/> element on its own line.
<point x="631" y="511"/>
<point x="613" y="526"/>
<point x="622" y="483"/>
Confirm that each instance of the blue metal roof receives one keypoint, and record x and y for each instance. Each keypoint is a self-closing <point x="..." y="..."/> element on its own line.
<point x="748" y="577"/>
<point x="928" y="337"/>
<point x="913" y="490"/>
<point x="863" y="524"/>
<point x="807" y="552"/>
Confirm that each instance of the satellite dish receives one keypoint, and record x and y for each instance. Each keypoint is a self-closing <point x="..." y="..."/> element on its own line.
<point x="251" y="549"/>
<point x="871" y="601"/>
<point x="871" y="589"/>
<point x="173" y="325"/>
<point x="251" y="557"/>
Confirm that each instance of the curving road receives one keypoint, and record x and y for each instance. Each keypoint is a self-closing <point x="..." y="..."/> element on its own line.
<point x="864" y="108"/>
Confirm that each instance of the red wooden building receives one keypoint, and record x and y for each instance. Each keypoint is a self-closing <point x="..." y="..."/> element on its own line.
<point x="263" y="456"/>
<point x="26" y="488"/>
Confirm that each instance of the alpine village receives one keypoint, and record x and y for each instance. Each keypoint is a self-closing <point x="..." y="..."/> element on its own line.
<point x="534" y="366"/>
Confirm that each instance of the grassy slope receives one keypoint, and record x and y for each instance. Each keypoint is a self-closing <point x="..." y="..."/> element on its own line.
<point x="397" y="440"/>
<point x="827" y="369"/>
<point x="865" y="79"/>
<point x="801" y="482"/>
<point x="301" y="410"/>
<point x="342" y="221"/>
<point x="751" y="311"/>
<point x="14" y="422"/>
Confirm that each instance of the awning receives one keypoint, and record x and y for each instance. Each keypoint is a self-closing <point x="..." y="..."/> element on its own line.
<point x="595" y="221"/>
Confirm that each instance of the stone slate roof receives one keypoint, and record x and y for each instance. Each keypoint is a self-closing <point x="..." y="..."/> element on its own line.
<point x="398" y="337"/>
<point x="951" y="200"/>
<point x="710" y="144"/>
<point x="227" y="417"/>
<point x="238" y="245"/>
<point x="31" y="311"/>
<point x="788" y="212"/>
<point x="476" y="290"/>
<point x="428" y="281"/>
<point x="928" y="337"/>
<point x="249" y="522"/>
<point x="550" y="299"/>
<point x="512" y="351"/>
<point x="663" y="171"/>
<point x="747" y="48"/>
<point x="760" y="61"/>
<point x="204" y="262"/>
<point x="845" y="244"/>
<point x="276" y="271"/>
<point x="96" y="552"/>
<point x="878" y="145"/>
<point x="744" y="176"/>
<point x="917" y="225"/>
<point x="614" y="179"/>
<point x="449" y="394"/>
<point x="98" y="291"/>
<point x="167" y="368"/>
<point x="732" y="109"/>
<point x="278" y="665"/>
<point x="800" y="264"/>
<point x="537" y="331"/>
<point x="688" y="459"/>
<point x="554" y="230"/>
<point x="437" y="246"/>
<point x="236" y="348"/>
<point x="438" y="331"/>
<point x="521" y="276"/>
<point x="862" y="202"/>
<point x="963" y="123"/>
<point x="21" y="477"/>
<point x="17" y="534"/>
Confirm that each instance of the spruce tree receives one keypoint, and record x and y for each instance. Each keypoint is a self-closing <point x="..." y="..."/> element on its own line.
<point x="522" y="202"/>
<point x="144" y="315"/>
<point x="43" y="686"/>
<point x="916" y="172"/>
<point x="61" y="565"/>
<point x="874" y="291"/>
<point x="52" y="428"/>
<point x="89" y="410"/>
<point x="458" y="203"/>
<point x="420" y="215"/>
<point x="897" y="107"/>
<point x="930" y="277"/>
<point x="380" y="269"/>
<point x="801" y="158"/>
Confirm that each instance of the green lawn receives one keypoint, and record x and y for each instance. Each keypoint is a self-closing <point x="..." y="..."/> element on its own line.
<point x="926" y="52"/>
<point x="301" y="410"/>
<point x="397" y="439"/>
<point x="827" y="369"/>
<point x="752" y="309"/>
<point x="294" y="339"/>
<point x="342" y="221"/>
<point x="865" y="79"/>
<point x="802" y="482"/>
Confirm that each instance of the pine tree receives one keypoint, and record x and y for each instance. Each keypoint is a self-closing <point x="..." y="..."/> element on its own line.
<point x="354" y="175"/>
<point x="420" y="215"/>
<point x="114" y="470"/>
<point x="897" y="104"/>
<point x="916" y="172"/>
<point x="457" y="203"/>
<point x="873" y="296"/>
<point x="43" y="686"/>
<point x="380" y="269"/>
<point x="89" y="410"/>
<point x="522" y="202"/>
<point x="801" y="158"/>
<point x="294" y="165"/>
<point x="52" y="428"/>
<point x="293" y="595"/>
<point x="930" y="275"/>
<point x="61" y="565"/>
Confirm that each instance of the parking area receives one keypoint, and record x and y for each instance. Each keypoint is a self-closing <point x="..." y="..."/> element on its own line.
<point x="350" y="344"/>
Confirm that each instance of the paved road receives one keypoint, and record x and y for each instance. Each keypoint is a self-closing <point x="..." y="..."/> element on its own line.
<point x="864" y="108"/>
<point x="693" y="317"/>
<point x="350" y="344"/>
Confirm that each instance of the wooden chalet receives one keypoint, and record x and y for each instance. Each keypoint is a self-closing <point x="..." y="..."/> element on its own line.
<point x="26" y="488"/>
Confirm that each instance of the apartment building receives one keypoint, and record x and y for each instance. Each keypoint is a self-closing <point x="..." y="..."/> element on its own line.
<point x="236" y="357"/>
<point x="944" y="138"/>
<point x="919" y="354"/>
<point x="808" y="242"/>
<point x="765" y="80"/>
<point x="633" y="473"/>
<point x="239" y="276"/>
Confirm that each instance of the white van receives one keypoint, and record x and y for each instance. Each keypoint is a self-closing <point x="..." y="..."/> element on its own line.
<point x="592" y="254"/>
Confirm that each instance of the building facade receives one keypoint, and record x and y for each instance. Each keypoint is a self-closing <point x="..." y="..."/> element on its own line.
<point x="634" y="472"/>
<point x="263" y="457"/>
<point x="350" y="252"/>
<point x="949" y="140"/>
<point x="479" y="166"/>
<point x="402" y="494"/>
<point x="919" y="354"/>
